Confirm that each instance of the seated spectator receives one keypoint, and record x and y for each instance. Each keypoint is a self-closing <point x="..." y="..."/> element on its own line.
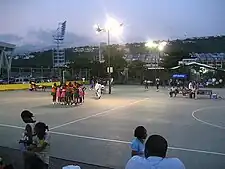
<point x="38" y="153"/>
<point x="173" y="91"/>
<point x="137" y="144"/>
<point x="155" y="156"/>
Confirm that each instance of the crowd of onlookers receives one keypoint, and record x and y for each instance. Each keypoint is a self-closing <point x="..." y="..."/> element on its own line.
<point x="145" y="154"/>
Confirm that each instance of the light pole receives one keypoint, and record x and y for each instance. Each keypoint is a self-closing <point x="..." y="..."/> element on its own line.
<point x="113" y="27"/>
<point x="159" y="47"/>
<point x="109" y="60"/>
<point x="42" y="73"/>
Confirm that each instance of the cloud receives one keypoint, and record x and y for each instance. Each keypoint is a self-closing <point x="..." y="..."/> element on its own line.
<point x="10" y="38"/>
<point x="43" y="39"/>
<point x="76" y="40"/>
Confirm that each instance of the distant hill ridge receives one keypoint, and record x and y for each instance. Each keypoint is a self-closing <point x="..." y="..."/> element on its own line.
<point x="210" y="44"/>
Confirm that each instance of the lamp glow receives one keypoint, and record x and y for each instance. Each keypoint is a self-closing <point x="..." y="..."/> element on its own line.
<point x="151" y="44"/>
<point x="160" y="46"/>
<point x="115" y="27"/>
<point x="95" y="26"/>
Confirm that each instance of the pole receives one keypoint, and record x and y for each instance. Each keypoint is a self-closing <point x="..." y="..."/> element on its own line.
<point x="41" y="73"/>
<point x="19" y="71"/>
<point x="155" y="68"/>
<point x="86" y="74"/>
<point x="110" y="87"/>
<point x="63" y="76"/>
<point x="8" y="74"/>
<point x="31" y="72"/>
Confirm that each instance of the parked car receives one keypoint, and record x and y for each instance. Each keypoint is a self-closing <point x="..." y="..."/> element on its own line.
<point x="7" y="81"/>
<point x="2" y="81"/>
<point x="22" y="80"/>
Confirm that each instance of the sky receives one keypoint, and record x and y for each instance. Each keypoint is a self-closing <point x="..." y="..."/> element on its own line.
<point x="142" y="19"/>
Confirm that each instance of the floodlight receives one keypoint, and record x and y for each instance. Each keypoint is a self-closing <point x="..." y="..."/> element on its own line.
<point x="63" y="28"/>
<point x="151" y="44"/>
<point x="115" y="27"/>
<point x="97" y="29"/>
<point x="162" y="45"/>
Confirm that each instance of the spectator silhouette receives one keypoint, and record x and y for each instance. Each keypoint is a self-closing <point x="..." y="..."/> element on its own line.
<point x="27" y="138"/>
<point x="155" y="156"/>
<point x="37" y="155"/>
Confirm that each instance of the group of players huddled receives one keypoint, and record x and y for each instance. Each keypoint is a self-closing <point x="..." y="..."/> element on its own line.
<point x="68" y="94"/>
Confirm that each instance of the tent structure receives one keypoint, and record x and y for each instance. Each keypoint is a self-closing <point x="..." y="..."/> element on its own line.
<point x="198" y="64"/>
<point x="6" y="50"/>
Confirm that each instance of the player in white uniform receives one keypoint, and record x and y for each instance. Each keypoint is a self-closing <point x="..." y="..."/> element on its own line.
<point x="98" y="88"/>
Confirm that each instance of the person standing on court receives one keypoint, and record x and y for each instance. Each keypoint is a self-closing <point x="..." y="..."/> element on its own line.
<point x="157" y="84"/>
<point x="146" y="83"/>
<point x="98" y="88"/>
<point x="155" y="156"/>
<point x="53" y="93"/>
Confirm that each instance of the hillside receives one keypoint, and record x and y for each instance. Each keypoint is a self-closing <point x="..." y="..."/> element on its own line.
<point x="180" y="48"/>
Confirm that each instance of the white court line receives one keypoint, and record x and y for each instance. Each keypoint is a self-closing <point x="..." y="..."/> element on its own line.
<point x="11" y="126"/>
<point x="126" y="142"/>
<point x="205" y="122"/>
<point x="119" y="141"/>
<point x="90" y="138"/>
<point x="21" y="100"/>
<point x="98" y="114"/>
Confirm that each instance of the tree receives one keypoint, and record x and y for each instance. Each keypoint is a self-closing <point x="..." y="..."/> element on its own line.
<point x="41" y="59"/>
<point x="176" y="50"/>
<point x="171" y="59"/>
<point x="98" y="69"/>
<point x="136" y="69"/>
<point x="117" y="60"/>
<point x="80" y="63"/>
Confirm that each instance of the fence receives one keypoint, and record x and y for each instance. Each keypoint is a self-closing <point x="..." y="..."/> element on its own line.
<point x="33" y="72"/>
<point x="45" y="72"/>
<point x="14" y="157"/>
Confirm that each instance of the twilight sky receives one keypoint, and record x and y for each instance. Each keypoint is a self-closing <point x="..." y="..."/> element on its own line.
<point x="143" y="19"/>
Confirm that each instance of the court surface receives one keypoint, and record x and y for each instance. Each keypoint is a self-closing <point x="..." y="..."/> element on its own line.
<point x="99" y="131"/>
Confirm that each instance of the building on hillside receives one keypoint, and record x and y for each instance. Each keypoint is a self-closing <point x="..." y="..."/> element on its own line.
<point x="186" y="61"/>
<point x="23" y="56"/>
<point x="86" y="49"/>
<point x="212" y="59"/>
<point x="152" y="59"/>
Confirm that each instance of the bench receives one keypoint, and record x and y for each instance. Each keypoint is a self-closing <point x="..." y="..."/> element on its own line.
<point x="204" y="92"/>
<point x="189" y="92"/>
